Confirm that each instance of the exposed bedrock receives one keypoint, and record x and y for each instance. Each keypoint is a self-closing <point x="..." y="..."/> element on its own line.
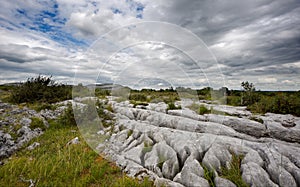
<point x="178" y="148"/>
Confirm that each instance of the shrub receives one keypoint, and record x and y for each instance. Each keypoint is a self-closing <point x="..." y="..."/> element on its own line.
<point x="204" y="110"/>
<point x="282" y="103"/>
<point x="135" y="103"/>
<point x="42" y="106"/>
<point x="40" y="89"/>
<point x="67" y="118"/>
<point x="37" y="123"/>
<point x="101" y="93"/>
<point x="172" y="106"/>
<point x="138" y="97"/>
<point x="234" y="100"/>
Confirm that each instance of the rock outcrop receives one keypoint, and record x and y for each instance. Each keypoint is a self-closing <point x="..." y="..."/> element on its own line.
<point x="173" y="147"/>
<point x="16" y="129"/>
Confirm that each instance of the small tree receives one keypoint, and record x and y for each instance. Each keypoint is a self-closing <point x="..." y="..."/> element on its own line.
<point x="248" y="87"/>
<point x="248" y="98"/>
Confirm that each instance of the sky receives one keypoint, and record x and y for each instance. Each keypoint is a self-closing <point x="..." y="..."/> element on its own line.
<point x="153" y="43"/>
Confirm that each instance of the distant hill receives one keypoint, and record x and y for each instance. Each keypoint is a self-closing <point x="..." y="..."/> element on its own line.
<point x="106" y="86"/>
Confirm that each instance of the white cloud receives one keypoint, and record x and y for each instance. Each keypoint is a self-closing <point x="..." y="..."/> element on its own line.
<point x="267" y="80"/>
<point x="253" y="40"/>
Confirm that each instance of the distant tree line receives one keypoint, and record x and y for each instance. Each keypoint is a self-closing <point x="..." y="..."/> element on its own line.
<point x="45" y="89"/>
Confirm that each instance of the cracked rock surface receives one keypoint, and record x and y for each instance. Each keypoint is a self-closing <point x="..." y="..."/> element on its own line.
<point x="16" y="129"/>
<point x="174" y="147"/>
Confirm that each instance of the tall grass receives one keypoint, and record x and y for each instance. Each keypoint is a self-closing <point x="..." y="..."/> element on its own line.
<point x="56" y="164"/>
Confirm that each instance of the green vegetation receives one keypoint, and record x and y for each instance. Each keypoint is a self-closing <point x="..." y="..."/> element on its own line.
<point x="234" y="173"/>
<point x="136" y="103"/>
<point x="172" y="106"/>
<point x="204" y="110"/>
<point x="56" y="164"/>
<point x="150" y="95"/>
<point x="266" y="101"/>
<point x="280" y="102"/>
<point x="129" y="133"/>
<point x="39" y="92"/>
<point x="67" y="118"/>
<point x="41" y="106"/>
<point x="199" y="109"/>
<point x="40" y="89"/>
<point x="102" y="93"/>
<point x="257" y="119"/>
<point x="209" y="176"/>
<point x="37" y="123"/>
<point x="249" y="96"/>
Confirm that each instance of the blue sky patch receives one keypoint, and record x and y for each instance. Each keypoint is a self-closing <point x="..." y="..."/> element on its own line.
<point x="116" y="11"/>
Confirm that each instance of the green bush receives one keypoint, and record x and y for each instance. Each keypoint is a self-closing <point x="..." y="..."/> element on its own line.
<point x="37" y="123"/>
<point x="40" y="89"/>
<point x="138" y="97"/>
<point x="234" y="100"/>
<point x="67" y="118"/>
<point x="204" y="110"/>
<point x="135" y="103"/>
<point x="281" y="103"/>
<point x="101" y="93"/>
<point x="172" y="106"/>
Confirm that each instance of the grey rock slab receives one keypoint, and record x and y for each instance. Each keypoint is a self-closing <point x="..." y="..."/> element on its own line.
<point x="173" y="145"/>
<point x="33" y="146"/>
<point x="194" y="180"/>
<point x="254" y="175"/>
<point x="216" y="157"/>
<point x="163" y="155"/>
<point x="134" y="154"/>
<point x="221" y="182"/>
<point x="162" y="182"/>
<point x="192" y="165"/>
<point x="253" y="156"/>
<point x="241" y="125"/>
<point x="280" y="132"/>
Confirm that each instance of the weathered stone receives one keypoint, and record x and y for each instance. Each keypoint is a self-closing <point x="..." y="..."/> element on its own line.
<point x="221" y="182"/>
<point x="161" y="182"/>
<point x="73" y="141"/>
<point x="164" y="156"/>
<point x="254" y="175"/>
<point x="33" y="146"/>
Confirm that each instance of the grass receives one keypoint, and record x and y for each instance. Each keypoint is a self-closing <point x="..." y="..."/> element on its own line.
<point x="37" y="123"/>
<point x="55" y="164"/>
<point x="204" y="110"/>
<point x="209" y="176"/>
<point x="38" y="106"/>
<point x="129" y="133"/>
<point x="199" y="109"/>
<point x="172" y="106"/>
<point x="234" y="173"/>
<point x="136" y="103"/>
<point x="257" y="119"/>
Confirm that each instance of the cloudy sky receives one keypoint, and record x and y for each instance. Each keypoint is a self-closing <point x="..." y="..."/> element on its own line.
<point x="153" y="43"/>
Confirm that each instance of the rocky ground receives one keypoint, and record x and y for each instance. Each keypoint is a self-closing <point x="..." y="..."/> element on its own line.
<point x="176" y="147"/>
<point x="173" y="146"/>
<point x="17" y="126"/>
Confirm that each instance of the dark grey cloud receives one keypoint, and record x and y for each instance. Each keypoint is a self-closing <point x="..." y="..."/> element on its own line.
<point x="21" y="53"/>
